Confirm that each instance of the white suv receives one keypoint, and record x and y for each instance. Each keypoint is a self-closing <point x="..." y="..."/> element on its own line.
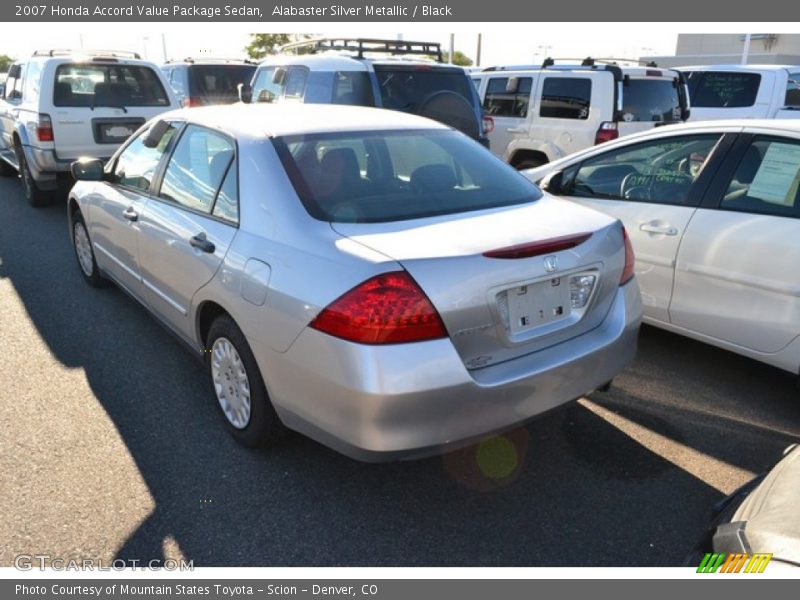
<point x="542" y="113"/>
<point x="744" y="91"/>
<point x="60" y="105"/>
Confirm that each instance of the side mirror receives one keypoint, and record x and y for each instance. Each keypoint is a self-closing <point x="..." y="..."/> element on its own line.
<point x="245" y="93"/>
<point x="685" y="114"/>
<point x="153" y="136"/>
<point x="553" y="183"/>
<point x="14" y="95"/>
<point x="87" y="169"/>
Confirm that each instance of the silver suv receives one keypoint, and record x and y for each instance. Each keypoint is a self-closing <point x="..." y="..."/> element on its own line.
<point x="59" y="105"/>
<point x="395" y="74"/>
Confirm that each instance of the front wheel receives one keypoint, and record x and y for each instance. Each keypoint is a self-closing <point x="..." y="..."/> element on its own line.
<point x="241" y="394"/>
<point x="85" y="253"/>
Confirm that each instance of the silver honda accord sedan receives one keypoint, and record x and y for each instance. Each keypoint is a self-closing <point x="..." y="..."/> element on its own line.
<point x="372" y="279"/>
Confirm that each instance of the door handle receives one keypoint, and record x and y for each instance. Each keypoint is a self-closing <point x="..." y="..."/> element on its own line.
<point x="201" y="242"/>
<point x="515" y="130"/>
<point x="131" y="214"/>
<point x="665" y="230"/>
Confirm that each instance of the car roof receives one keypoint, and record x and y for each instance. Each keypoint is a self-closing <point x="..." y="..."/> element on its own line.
<point x="733" y="67"/>
<point x="273" y="120"/>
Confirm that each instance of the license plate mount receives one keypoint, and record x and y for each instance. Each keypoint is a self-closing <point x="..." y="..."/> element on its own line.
<point x="536" y="304"/>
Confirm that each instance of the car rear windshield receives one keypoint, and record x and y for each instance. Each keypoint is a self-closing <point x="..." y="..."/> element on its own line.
<point x="218" y="82"/>
<point x="718" y="89"/>
<point x="108" y="85"/>
<point x="650" y="100"/>
<point x="379" y="176"/>
<point x="407" y="88"/>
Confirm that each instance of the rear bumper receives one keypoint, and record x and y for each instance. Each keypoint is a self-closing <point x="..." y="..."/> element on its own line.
<point x="45" y="165"/>
<point x="378" y="403"/>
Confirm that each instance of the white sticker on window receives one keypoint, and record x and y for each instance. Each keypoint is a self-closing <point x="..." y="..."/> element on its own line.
<point x="778" y="175"/>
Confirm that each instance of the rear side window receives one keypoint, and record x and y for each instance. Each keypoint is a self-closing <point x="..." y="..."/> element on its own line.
<point x="218" y="83"/>
<point x="296" y="80"/>
<point x="380" y="176"/>
<point x="96" y="85"/>
<point x="767" y="180"/>
<point x="716" y="89"/>
<point x="352" y="87"/>
<point x="793" y="90"/>
<point x="197" y="168"/>
<point x="650" y="100"/>
<point x="33" y="78"/>
<point x="566" y="98"/>
<point x="407" y="88"/>
<point x="507" y="96"/>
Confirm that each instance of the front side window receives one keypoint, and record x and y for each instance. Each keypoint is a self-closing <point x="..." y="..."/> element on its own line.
<point x="116" y="85"/>
<point x="296" y="83"/>
<point x="196" y="169"/>
<point x="767" y="179"/>
<point x="660" y="171"/>
<point x="264" y="88"/>
<point x="137" y="164"/>
<point x="507" y="96"/>
<point x="380" y="176"/>
<point x="719" y="89"/>
<point x="566" y="98"/>
<point x="793" y="91"/>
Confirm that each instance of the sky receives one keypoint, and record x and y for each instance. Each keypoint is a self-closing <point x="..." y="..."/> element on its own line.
<point x="501" y="43"/>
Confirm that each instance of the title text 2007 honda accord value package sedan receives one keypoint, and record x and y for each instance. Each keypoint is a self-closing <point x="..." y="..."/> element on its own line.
<point x="372" y="279"/>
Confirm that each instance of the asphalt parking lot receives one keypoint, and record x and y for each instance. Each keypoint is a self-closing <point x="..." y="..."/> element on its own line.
<point x="111" y="447"/>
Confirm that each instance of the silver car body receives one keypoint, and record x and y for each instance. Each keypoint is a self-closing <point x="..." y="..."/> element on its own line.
<point x="724" y="277"/>
<point x="280" y="267"/>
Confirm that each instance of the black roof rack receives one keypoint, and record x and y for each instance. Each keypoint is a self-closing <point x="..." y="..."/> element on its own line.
<point x="203" y="59"/>
<point x="97" y="53"/>
<point x="361" y="45"/>
<point x="590" y="61"/>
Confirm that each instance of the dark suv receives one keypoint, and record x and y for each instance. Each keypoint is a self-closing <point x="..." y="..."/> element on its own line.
<point x="406" y="76"/>
<point x="204" y="81"/>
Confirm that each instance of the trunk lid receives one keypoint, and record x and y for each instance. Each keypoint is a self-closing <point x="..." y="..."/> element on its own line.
<point x="496" y="309"/>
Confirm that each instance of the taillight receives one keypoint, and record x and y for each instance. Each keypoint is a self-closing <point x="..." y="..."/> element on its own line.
<point x="630" y="259"/>
<point x="387" y="309"/>
<point x="608" y="131"/>
<point x="192" y="101"/>
<point x="44" y="128"/>
<point x="488" y="124"/>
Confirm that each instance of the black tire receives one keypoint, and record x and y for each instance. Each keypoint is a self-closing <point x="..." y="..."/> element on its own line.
<point x="529" y="163"/>
<point x="264" y="427"/>
<point x="91" y="275"/>
<point x="451" y="109"/>
<point x="6" y="170"/>
<point x="33" y="194"/>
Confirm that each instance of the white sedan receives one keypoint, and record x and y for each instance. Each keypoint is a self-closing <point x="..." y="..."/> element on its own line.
<point x="713" y="212"/>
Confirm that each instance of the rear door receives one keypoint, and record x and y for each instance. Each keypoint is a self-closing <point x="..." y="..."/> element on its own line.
<point x="649" y="100"/>
<point x="569" y="110"/>
<point x="737" y="278"/>
<point x="653" y="187"/>
<point x="507" y="100"/>
<point x="98" y="104"/>
<point x="188" y="226"/>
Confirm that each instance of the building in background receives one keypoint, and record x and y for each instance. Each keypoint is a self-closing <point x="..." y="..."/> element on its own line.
<point x="727" y="48"/>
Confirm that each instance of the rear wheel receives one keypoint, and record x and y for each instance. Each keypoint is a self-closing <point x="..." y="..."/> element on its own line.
<point x="33" y="194"/>
<point x="529" y="163"/>
<point x="241" y="394"/>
